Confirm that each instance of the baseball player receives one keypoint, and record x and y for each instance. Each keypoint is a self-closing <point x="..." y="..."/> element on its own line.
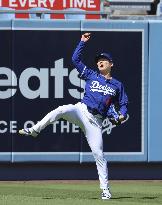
<point x="102" y="91"/>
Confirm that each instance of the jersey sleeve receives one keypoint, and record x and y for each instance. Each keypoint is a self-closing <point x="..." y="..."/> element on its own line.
<point x="84" y="72"/>
<point x="112" y="112"/>
<point x="123" y="101"/>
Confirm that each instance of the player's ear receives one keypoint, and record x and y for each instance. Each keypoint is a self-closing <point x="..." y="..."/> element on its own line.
<point x="112" y="64"/>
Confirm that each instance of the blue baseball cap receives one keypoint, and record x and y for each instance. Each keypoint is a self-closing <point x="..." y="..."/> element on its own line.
<point x="104" y="55"/>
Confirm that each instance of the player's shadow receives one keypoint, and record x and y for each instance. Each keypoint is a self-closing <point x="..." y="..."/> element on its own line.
<point x="129" y="197"/>
<point x="114" y="198"/>
<point x="122" y="197"/>
<point x="149" y="197"/>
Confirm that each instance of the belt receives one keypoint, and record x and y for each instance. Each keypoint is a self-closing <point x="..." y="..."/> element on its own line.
<point x="94" y="112"/>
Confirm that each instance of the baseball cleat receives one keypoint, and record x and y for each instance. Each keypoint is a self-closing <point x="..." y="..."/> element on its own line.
<point x="28" y="132"/>
<point x="106" y="194"/>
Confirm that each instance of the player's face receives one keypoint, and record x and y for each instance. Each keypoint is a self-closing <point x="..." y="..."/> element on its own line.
<point x="104" y="65"/>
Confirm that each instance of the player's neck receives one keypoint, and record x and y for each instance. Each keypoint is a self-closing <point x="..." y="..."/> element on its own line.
<point x="107" y="75"/>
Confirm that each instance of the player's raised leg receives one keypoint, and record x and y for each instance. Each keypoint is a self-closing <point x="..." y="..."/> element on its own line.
<point x="68" y="112"/>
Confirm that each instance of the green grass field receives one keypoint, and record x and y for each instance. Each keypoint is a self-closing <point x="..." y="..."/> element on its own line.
<point x="79" y="193"/>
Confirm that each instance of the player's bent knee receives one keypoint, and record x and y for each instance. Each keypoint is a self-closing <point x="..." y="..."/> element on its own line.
<point x="65" y="108"/>
<point x="60" y="109"/>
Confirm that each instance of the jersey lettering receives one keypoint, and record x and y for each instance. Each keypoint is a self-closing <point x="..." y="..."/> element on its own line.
<point x="97" y="87"/>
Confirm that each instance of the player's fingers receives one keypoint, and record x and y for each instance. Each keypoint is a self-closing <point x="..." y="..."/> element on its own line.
<point x="87" y="35"/>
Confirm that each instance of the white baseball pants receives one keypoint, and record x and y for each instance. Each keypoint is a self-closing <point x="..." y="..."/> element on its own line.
<point x="91" y="126"/>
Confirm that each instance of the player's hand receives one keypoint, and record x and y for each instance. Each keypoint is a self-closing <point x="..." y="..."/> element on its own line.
<point x="121" y="118"/>
<point x="85" y="37"/>
<point x="117" y="121"/>
<point x="114" y="121"/>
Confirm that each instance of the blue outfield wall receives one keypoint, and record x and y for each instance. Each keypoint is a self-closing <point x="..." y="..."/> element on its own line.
<point x="37" y="75"/>
<point x="155" y="93"/>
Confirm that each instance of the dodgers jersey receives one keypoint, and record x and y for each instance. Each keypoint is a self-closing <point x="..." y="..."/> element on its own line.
<point x="100" y="93"/>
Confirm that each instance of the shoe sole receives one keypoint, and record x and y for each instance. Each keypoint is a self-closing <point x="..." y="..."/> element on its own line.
<point x="22" y="132"/>
<point x="34" y="134"/>
<point x="106" y="198"/>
